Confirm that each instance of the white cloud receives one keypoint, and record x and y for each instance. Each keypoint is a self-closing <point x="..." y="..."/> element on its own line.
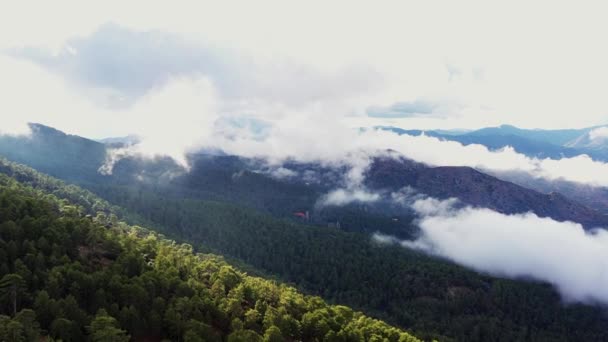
<point x="342" y="197"/>
<point x="183" y="115"/>
<point x="563" y="254"/>
<point x="174" y="120"/>
<point x="307" y="92"/>
<point x="468" y="53"/>
<point x="434" y="151"/>
<point x="169" y="120"/>
<point x="599" y="134"/>
<point x="30" y="94"/>
<point x="282" y="173"/>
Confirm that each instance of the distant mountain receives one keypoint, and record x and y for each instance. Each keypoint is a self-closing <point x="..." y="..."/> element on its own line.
<point x="120" y="141"/>
<point x="151" y="287"/>
<point x="478" y="189"/>
<point x="250" y="182"/>
<point x="591" y="196"/>
<point x="55" y="152"/>
<point x="244" y="210"/>
<point x="521" y="144"/>
<point x="536" y="143"/>
<point x="556" y="137"/>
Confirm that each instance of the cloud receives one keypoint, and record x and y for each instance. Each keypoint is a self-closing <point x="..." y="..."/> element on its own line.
<point x="438" y="152"/>
<point x="31" y="94"/>
<point x="342" y="197"/>
<point x="187" y="114"/>
<point x="184" y="94"/>
<point x="282" y="173"/>
<point x="521" y="89"/>
<point x="170" y="120"/>
<point x="563" y="254"/>
<point x="115" y="66"/>
<point x="353" y="191"/>
<point x="599" y="134"/>
<point x="123" y="65"/>
<point x="177" y="119"/>
<point x="417" y="108"/>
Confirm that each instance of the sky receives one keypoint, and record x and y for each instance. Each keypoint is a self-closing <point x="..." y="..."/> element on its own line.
<point x="282" y="79"/>
<point x="95" y="69"/>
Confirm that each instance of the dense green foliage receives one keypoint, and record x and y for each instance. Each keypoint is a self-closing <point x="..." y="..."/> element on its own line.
<point x="72" y="278"/>
<point x="434" y="298"/>
<point x="84" y="201"/>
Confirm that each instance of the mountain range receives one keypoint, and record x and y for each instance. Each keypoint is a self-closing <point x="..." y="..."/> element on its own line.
<point x="537" y="143"/>
<point x="270" y="220"/>
<point x="249" y="182"/>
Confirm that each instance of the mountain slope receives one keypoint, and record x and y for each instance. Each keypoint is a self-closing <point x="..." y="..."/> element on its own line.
<point x="589" y="195"/>
<point x="431" y="297"/>
<point x="82" y="278"/>
<point x="557" y="137"/>
<point x="55" y="152"/>
<point x="478" y="189"/>
<point x="531" y="144"/>
<point x="247" y="182"/>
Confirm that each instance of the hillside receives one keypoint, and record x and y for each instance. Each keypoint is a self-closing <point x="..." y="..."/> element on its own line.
<point x="249" y="182"/>
<point x="478" y="189"/>
<point x="433" y="298"/>
<point x="76" y="278"/>
<point x="595" y="197"/>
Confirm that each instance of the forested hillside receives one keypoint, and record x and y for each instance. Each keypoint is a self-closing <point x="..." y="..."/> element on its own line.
<point x="73" y="278"/>
<point x="431" y="297"/>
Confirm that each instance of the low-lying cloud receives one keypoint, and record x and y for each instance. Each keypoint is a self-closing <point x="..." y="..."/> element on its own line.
<point x="291" y="110"/>
<point x="342" y="197"/>
<point x="599" y="135"/>
<point x="336" y="143"/>
<point x="563" y="254"/>
<point x="418" y="108"/>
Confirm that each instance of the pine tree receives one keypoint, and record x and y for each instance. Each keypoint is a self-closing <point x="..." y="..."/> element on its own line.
<point x="10" y="285"/>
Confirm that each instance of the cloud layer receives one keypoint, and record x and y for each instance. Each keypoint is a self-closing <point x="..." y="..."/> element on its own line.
<point x="418" y="108"/>
<point x="180" y="92"/>
<point x="563" y="254"/>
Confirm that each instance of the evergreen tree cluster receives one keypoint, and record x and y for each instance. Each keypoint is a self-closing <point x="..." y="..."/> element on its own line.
<point x="71" y="276"/>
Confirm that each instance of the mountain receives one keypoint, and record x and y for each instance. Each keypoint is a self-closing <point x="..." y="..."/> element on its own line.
<point x="594" y="142"/>
<point x="71" y="277"/>
<point x="535" y="143"/>
<point x="55" y="152"/>
<point x="591" y="196"/>
<point x="120" y="141"/>
<point x="478" y="189"/>
<point x="527" y="146"/>
<point x="252" y="183"/>
<point x="497" y="138"/>
<point x="122" y="266"/>
<point x="557" y="137"/>
<point x="244" y="210"/>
